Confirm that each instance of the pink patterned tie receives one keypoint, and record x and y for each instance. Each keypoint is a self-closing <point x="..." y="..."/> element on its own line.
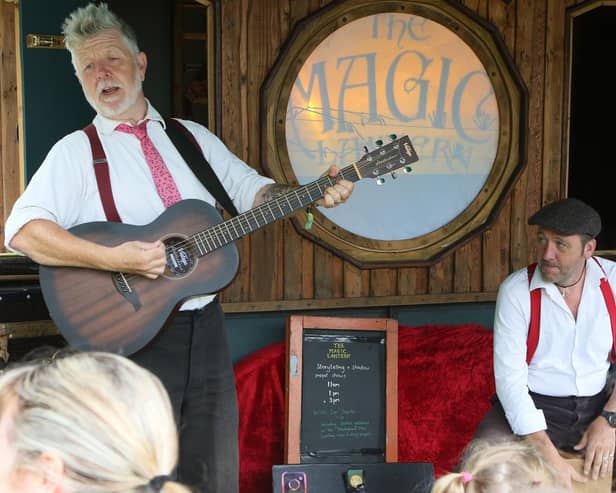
<point x="167" y="190"/>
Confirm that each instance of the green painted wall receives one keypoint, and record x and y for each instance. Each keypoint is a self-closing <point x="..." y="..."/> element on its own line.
<point x="53" y="103"/>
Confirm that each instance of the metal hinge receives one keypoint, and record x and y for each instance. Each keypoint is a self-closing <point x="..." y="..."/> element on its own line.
<point x="45" y="41"/>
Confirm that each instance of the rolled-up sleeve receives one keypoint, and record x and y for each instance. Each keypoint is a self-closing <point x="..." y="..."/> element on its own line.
<point x="512" y="315"/>
<point x="55" y="192"/>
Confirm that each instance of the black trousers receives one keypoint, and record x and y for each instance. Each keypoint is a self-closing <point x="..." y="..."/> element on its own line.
<point x="191" y="357"/>
<point x="567" y="418"/>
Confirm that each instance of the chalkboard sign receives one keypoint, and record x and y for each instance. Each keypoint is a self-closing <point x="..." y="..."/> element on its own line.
<point x="341" y="390"/>
<point x="343" y="396"/>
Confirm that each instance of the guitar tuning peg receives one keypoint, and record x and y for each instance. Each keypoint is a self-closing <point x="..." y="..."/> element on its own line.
<point x="393" y="175"/>
<point x="379" y="143"/>
<point x="380" y="180"/>
<point x="365" y="149"/>
<point x="392" y="137"/>
<point x="407" y="169"/>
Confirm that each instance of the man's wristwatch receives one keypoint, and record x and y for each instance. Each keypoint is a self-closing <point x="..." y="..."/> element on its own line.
<point x="611" y="417"/>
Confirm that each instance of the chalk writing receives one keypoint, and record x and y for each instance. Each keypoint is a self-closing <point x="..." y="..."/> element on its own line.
<point x="343" y="392"/>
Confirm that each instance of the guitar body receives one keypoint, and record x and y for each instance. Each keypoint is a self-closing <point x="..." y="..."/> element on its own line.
<point x="120" y="313"/>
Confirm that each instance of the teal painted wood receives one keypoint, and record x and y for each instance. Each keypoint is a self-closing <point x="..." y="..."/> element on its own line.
<point x="249" y="332"/>
<point x="53" y="102"/>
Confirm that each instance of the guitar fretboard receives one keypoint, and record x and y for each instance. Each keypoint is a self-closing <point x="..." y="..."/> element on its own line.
<point x="229" y="231"/>
<point x="373" y="164"/>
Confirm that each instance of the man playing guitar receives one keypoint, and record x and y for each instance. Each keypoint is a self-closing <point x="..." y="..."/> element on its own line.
<point x="190" y="355"/>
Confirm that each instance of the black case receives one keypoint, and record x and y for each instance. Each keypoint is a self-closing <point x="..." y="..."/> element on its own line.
<point x="407" y="477"/>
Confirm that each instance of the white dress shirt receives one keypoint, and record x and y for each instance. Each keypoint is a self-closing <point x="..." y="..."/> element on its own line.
<point x="64" y="189"/>
<point x="571" y="357"/>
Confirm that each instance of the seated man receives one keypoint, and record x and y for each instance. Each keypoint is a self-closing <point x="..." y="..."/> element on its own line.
<point x="553" y="342"/>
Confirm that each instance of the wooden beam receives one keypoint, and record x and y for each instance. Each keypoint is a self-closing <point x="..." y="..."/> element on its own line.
<point x="365" y="302"/>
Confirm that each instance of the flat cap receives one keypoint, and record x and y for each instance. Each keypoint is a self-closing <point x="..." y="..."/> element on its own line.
<point x="568" y="217"/>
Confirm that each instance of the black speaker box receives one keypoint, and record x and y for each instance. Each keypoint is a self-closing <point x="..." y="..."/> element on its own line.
<point x="407" y="477"/>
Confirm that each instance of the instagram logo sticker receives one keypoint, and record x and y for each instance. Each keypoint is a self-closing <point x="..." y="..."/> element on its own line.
<point x="294" y="482"/>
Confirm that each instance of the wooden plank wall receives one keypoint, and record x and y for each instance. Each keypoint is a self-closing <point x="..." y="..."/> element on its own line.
<point x="280" y="269"/>
<point x="9" y="151"/>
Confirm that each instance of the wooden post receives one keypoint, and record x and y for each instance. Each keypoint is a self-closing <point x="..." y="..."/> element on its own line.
<point x="10" y="176"/>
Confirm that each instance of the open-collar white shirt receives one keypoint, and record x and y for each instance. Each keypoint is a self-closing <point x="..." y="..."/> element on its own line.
<point x="571" y="357"/>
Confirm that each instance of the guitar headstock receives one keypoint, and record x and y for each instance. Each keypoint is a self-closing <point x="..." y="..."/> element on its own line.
<point x="388" y="158"/>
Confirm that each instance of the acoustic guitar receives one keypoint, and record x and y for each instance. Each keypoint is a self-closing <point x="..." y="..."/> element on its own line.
<point x="121" y="313"/>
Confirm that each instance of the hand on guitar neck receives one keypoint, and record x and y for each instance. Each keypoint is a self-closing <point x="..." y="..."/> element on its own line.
<point x="332" y="196"/>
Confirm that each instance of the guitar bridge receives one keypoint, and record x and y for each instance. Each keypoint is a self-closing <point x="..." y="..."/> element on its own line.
<point x="123" y="286"/>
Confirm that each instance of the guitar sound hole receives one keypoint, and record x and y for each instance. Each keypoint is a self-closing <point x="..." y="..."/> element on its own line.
<point x="180" y="257"/>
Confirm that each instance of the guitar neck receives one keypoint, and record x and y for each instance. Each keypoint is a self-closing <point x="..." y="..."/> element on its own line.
<point x="386" y="159"/>
<point x="233" y="229"/>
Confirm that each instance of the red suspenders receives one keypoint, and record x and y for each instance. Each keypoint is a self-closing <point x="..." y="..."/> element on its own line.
<point x="186" y="144"/>
<point x="101" y="169"/>
<point x="535" y="314"/>
<point x="608" y="295"/>
<point x="535" y="317"/>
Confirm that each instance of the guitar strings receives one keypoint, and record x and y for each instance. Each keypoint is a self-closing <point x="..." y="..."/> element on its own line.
<point x="223" y="229"/>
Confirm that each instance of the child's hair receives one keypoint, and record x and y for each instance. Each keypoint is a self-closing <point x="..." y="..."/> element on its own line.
<point x="506" y="467"/>
<point x="107" y="419"/>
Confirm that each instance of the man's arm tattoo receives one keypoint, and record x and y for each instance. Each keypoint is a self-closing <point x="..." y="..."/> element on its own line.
<point x="271" y="192"/>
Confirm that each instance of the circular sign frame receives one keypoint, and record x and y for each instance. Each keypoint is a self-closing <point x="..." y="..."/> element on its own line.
<point x="509" y="160"/>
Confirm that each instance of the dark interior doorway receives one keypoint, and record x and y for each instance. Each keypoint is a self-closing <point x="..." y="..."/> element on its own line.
<point x="593" y="117"/>
<point x="155" y="36"/>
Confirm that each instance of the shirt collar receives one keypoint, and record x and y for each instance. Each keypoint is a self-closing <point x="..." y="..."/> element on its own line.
<point x="107" y="126"/>
<point x="594" y="274"/>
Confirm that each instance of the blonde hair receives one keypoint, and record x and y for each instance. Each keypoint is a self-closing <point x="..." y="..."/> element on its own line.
<point x="108" y="420"/>
<point x="507" y="467"/>
<point x="88" y="21"/>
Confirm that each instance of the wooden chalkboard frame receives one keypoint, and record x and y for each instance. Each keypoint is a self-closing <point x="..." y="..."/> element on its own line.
<point x="296" y="324"/>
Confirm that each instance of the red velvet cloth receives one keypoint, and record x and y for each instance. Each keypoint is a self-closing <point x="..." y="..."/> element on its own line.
<point x="445" y="381"/>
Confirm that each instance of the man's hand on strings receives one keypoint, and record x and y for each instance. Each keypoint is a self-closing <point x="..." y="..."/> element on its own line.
<point x="140" y="257"/>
